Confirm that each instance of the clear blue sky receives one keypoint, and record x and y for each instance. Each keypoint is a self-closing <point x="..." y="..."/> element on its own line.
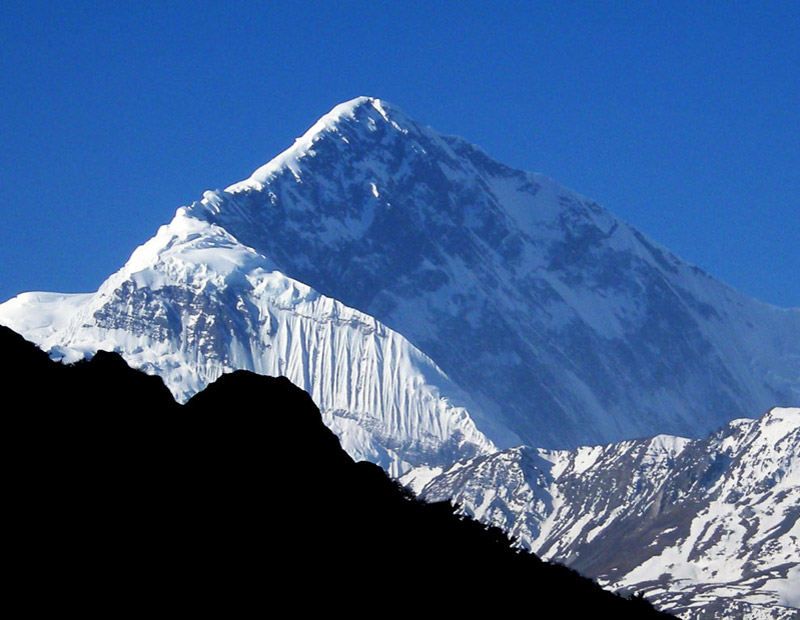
<point x="683" y="118"/>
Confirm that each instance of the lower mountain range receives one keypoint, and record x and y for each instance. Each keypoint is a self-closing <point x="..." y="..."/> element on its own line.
<point x="443" y="310"/>
<point x="705" y="527"/>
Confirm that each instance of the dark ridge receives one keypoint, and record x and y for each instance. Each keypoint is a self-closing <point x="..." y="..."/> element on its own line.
<point x="242" y="501"/>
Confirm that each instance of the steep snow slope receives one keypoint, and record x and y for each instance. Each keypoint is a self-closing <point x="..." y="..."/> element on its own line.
<point x="193" y="303"/>
<point x="564" y="324"/>
<point x="706" y="528"/>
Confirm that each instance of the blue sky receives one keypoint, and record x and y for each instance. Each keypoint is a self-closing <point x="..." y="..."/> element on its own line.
<point x="680" y="117"/>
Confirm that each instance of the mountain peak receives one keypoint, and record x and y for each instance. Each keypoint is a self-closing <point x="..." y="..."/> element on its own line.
<point x="365" y="105"/>
<point x="358" y="102"/>
<point x="355" y="109"/>
<point x="367" y="111"/>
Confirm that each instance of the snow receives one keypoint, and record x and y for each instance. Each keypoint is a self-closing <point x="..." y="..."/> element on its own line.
<point x="39" y="315"/>
<point x="788" y="589"/>
<point x="417" y="478"/>
<point x="585" y="457"/>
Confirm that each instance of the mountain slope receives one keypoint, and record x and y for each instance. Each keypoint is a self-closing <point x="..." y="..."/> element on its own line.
<point x="706" y="528"/>
<point x="564" y="325"/>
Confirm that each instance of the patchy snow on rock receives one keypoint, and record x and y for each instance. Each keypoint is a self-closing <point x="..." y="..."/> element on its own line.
<point x="706" y="528"/>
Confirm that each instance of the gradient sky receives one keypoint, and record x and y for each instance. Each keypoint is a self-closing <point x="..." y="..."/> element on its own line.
<point x="683" y="118"/>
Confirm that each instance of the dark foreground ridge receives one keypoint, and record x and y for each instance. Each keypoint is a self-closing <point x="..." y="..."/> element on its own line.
<point x="240" y="501"/>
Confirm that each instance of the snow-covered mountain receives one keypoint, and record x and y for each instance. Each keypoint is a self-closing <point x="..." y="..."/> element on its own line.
<point x="706" y="528"/>
<point x="562" y="324"/>
<point x="566" y="324"/>
<point x="193" y="303"/>
<point x="439" y="306"/>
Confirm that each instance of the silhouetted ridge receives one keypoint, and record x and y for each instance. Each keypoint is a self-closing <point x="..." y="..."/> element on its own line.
<point x="104" y="383"/>
<point x="116" y="505"/>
